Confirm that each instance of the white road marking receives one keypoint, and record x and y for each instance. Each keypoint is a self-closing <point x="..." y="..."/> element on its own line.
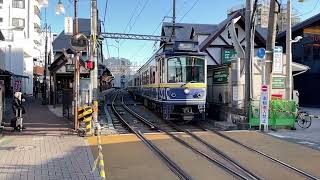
<point x="306" y="142"/>
<point x="277" y="135"/>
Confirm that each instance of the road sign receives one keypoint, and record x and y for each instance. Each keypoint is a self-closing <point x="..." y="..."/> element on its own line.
<point x="261" y="53"/>
<point x="277" y="60"/>
<point x="264" y="107"/>
<point x="68" y="26"/>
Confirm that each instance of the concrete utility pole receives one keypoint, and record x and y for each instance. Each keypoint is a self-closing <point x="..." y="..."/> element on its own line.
<point x="271" y="40"/>
<point x="173" y="18"/>
<point x="289" y="52"/>
<point x="248" y="52"/>
<point x="93" y="57"/>
<point x="76" y="70"/>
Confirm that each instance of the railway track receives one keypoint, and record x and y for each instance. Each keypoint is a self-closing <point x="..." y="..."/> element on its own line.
<point x="297" y="170"/>
<point x="223" y="161"/>
<point x="171" y="165"/>
<point x="229" y="166"/>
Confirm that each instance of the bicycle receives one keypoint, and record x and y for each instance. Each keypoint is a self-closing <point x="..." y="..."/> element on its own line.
<point x="303" y="119"/>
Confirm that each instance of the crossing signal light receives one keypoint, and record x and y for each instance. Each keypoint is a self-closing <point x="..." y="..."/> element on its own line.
<point x="89" y="65"/>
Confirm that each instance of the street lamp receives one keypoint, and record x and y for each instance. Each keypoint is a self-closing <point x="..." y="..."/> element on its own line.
<point x="289" y="41"/>
<point x="59" y="8"/>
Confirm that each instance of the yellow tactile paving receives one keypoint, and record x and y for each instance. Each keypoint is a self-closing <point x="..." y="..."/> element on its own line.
<point x="302" y="157"/>
<point x="126" y="157"/>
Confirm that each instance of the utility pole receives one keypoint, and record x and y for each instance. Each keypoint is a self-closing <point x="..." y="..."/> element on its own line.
<point x="289" y="52"/>
<point x="76" y="69"/>
<point x="93" y="57"/>
<point x="248" y="52"/>
<point x="44" y="95"/>
<point x="271" y="40"/>
<point x="173" y="18"/>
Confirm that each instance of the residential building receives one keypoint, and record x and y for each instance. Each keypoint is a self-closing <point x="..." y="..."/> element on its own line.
<point x="20" y="23"/>
<point x="262" y="15"/>
<point x="121" y="70"/>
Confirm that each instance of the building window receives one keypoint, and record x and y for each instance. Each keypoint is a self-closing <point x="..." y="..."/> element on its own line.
<point x="37" y="11"/>
<point x="1" y="20"/>
<point x="18" y="22"/>
<point x="18" y="4"/>
<point x="1" y="1"/>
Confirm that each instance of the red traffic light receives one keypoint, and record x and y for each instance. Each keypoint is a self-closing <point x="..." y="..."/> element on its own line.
<point x="89" y="65"/>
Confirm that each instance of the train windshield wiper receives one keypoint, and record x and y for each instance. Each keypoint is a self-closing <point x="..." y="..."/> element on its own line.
<point x="188" y="83"/>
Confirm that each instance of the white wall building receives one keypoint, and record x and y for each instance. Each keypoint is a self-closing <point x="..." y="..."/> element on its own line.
<point x="20" y="23"/>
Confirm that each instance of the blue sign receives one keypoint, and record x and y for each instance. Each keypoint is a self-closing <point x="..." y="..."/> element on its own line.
<point x="278" y="49"/>
<point x="261" y="53"/>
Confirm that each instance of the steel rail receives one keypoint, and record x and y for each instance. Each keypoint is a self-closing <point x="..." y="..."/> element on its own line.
<point x="214" y="161"/>
<point x="299" y="171"/>
<point x="172" y="165"/>
<point x="216" y="150"/>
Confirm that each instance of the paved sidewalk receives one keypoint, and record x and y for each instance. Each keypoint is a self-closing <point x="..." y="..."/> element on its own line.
<point x="47" y="149"/>
<point x="307" y="137"/>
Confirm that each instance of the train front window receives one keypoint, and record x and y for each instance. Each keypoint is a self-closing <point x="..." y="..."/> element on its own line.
<point x="186" y="69"/>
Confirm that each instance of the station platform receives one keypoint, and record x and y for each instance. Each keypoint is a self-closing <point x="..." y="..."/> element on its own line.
<point x="126" y="157"/>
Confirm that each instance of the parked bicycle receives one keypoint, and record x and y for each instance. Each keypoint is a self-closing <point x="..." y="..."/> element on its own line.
<point x="304" y="119"/>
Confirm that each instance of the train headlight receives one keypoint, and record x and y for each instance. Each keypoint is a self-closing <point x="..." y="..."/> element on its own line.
<point x="186" y="91"/>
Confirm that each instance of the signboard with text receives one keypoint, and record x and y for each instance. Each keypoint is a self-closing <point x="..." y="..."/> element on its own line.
<point x="228" y="55"/>
<point x="277" y="60"/>
<point x="220" y="76"/>
<point x="264" y="105"/>
<point x="68" y="26"/>
<point x="69" y="67"/>
<point x="278" y="82"/>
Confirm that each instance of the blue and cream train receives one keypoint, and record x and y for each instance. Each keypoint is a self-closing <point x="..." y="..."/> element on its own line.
<point x="173" y="82"/>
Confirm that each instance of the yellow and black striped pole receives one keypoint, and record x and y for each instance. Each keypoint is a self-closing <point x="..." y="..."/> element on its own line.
<point x="85" y="116"/>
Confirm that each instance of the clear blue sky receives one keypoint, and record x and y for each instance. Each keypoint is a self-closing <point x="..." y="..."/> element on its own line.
<point x="119" y="13"/>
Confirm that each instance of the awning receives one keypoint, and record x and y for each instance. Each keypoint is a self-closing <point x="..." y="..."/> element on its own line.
<point x="8" y="73"/>
<point x="299" y="68"/>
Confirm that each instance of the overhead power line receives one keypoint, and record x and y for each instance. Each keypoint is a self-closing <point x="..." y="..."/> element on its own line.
<point x="104" y="26"/>
<point x="193" y="5"/>
<point x="153" y="33"/>
<point x="314" y="8"/>
<point x="137" y="17"/>
<point x="132" y="15"/>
